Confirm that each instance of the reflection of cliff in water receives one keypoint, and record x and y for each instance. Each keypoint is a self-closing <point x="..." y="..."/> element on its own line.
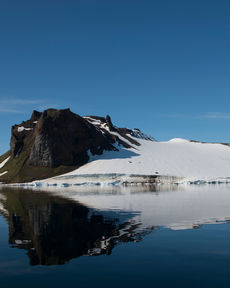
<point x="55" y="230"/>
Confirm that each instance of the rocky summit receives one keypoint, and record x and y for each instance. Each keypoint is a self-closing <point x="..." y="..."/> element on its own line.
<point x="57" y="141"/>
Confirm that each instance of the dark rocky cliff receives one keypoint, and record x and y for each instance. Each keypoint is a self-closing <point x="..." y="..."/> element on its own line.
<point x="59" y="137"/>
<point x="54" y="142"/>
<point x="63" y="138"/>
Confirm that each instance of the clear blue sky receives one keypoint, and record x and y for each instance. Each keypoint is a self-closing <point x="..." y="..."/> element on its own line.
<point x="160" y="65"/>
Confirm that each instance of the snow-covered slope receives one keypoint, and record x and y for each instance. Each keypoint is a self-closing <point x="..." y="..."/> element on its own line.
<point x="132" y="157"/>
<point x="173" y="158"/>
<point x="175" y="161"/>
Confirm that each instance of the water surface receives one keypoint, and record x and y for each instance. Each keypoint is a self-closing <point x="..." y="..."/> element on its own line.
<point x="108" y="237"/>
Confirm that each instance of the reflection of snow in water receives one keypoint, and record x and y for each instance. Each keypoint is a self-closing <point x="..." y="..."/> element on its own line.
<point x="130" y="212"/>
<point x="2" y="209"/>
<point x="172" y="207"/>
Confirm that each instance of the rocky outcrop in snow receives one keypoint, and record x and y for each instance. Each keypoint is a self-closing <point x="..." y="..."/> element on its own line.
<point x="60" y="138"/>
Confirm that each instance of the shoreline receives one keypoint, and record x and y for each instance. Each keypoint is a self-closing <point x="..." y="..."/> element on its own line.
<point x="122" y="180"/>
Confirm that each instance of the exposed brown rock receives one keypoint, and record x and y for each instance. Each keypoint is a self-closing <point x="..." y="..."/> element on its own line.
<point x="63" y="138"/>
<point x="60" y="137"/>
<point x="55" y="142"/>
<point x="109" y="123"/>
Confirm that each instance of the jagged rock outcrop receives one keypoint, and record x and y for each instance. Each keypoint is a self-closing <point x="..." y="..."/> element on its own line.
<point x="20" y="132"/>
<point x="109" y="123"/>
<point x="59" y="137"/>
<point x="56" y="141"/>
<point x="63" y="138"/>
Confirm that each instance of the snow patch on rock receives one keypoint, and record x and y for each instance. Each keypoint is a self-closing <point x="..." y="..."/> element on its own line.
<point x="3" y="173"/>
<point x="22" y="128"/>
<point x="4" y="162"/>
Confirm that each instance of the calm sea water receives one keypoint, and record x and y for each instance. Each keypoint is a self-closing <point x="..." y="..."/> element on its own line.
<point x="123" y="237"/>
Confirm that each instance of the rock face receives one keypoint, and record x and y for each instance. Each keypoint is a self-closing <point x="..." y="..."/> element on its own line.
<point x="59" y="137"/>
<point x="63" y="138"/>
<point x="55" y="142"/>
<point x="20" y="132"/>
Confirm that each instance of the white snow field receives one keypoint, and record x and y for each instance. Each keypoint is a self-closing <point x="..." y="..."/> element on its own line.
<point x="175" y="161"/>
<point x="174" y="158"/>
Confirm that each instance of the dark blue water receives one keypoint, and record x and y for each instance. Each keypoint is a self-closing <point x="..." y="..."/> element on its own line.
<point x="47" y="240"/>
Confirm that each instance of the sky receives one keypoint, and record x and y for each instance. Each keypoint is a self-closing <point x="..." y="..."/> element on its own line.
<point x="159" y="65"/>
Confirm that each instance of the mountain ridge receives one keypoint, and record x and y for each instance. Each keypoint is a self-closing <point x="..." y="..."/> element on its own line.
<point x="57" y="141"/>
<point x="59" y="147"/>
